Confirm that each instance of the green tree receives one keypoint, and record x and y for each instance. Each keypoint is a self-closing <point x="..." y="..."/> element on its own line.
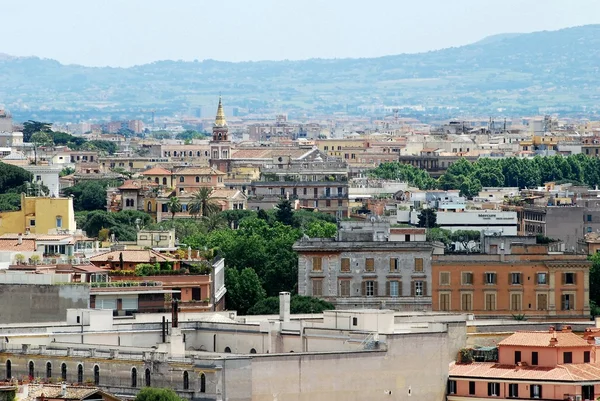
<point x="284" y="213"/>
<point x="427" y="218"/>
<point x="66" y="171"/>
<point x="174" y="206"/>
<point x="30" y="127"/>
<point x="404" y="172"/>
<point x="40" y="139"/>
<point x="298" y="304"/>
<point x="321" y="229"/>
<point x="189" y="135"/>
<point x="595" y="279"/>
<point x="93" y="196"/>
<point x="157" y="394"/>
<point x="244" y="289"/>
<point x="202" y="204"/>
<point x="439" y="234"/>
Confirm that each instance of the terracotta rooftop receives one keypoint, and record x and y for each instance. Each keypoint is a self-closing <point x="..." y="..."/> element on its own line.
<point x="12" y="245"/>
<point x="72" y="392"/>
<point x="200" y="171"/>
<point x="132" y="256"/>
<point x="130" y="184"/>
<point x="156" y="171"/>
<point x="568" y="372"/>
<point x="545" y="339"/>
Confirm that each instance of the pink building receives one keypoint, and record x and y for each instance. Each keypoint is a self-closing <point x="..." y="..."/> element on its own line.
<point x="548" y="365"/>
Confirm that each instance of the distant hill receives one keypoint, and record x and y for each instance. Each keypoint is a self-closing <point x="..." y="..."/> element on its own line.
<point x="503" y="74"/>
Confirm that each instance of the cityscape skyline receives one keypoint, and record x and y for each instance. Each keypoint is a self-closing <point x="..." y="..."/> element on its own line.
<point x="80" y="34"/>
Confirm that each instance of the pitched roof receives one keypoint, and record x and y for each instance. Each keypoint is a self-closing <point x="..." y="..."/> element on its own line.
<point x="130" y="184"/>
<point x="132" y="256"/>
<point x="225" y="193"/>
<point x="568" y="372"/>
<point x="156" y="171"/>
<point x="542" y="339"/>
<point x="200" y="171"/>
<point x="12" y="245"/>
<point x="72" y="392"/>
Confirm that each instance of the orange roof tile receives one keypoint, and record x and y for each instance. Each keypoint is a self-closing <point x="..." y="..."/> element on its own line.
<point x="568" y="372"/>
<point x="200" y="171"/>
<point x="28" y="245"/>
<point x="542" y="339"/>
<point x="130" y="184"/>
<point x="156" y="171"/>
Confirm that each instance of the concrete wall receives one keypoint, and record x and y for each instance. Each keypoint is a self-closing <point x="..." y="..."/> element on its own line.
<point x="23" y="303"/>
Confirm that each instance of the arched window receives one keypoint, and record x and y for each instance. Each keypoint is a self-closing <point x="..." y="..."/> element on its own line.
<point x="31" y="370"/>
<point x="252" y="351"/>
<point x="63" y="371"/>
<point x="197" y="179"/>
<point x="228" y="350"/>
<point x="156" y="180"/>
<point x="48" y="370"/>
<point x="80" y="373"/>
<point x="134" y="377"/>
<point x="198" y="153"/>
<point x="186" y="381"/>
<point x="149" y="206"/>
<point x="202" y="383"/>
<point x="96" y="375"/>
<point x="206" y="153"/>
<point x="181" y="179"/>
<point x="8" y="369"/>
<point x="164" y="180"/>
<point x="148" y="382"/>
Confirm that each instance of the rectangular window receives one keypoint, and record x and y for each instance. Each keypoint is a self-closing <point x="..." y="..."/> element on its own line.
<point x="588" y="392"/>
<point x="419" y="288"/>
<point x="494" y="389"/>
<point x="517" y="357"/>
<point x="369" y="288"/>
<point x="568" y="278"/>
<point x="471" y="388"/>
<point x="542" y="278"/>
<point x="490" y="302"/>
<point x="445" y="302"/>
<point x="418" y="264"/>
<point x="490" y="278"/>
<point x="466" y="302"/>
<point x="451" y="386"/>
<point x="535" y="391"/>
<point x="345" y="265"/>
<point x="317" y="264"/>
<point x="32" y="222"/>
<point x="444" y="278"/>
<point x="568" y="302"/>
<point x="515" y="279"/>
<point x="344" y="288"/>
<point x="589" y="217"/>
<point x="394" y="288"/>
<point x="513" y="390"/>
<point x="370" y="264"/>
<point x="567" y="357"/>
<point x="542" y="301"/>
<point x="394" y="265"/>
<point x="515" y="302"/>
<point x="58" y="222"/>
<point x="467" y="278"/>
<point x="534" y="358"/>
<point x="586" y="356"/>
<point x="317" y="287"/>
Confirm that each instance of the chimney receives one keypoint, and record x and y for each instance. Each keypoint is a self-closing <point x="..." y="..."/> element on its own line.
<point x="553" y="342"/>
<point x="20" y="239"/>
<point x="284" y="306"/>
<point x="552" y="329"/>
<point x="566" y="329"/>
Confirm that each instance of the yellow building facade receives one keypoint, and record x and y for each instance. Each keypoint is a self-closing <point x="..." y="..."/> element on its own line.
<point x="39" y="215"/>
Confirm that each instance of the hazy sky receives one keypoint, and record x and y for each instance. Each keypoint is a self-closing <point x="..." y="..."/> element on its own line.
<point x="128" y="32"/>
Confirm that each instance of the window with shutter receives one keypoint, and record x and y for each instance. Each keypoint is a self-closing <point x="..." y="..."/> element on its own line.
<point x="317" y="287"/>
<point x="542" y="301"/>
<point x="418" y="264"/>
<point x="394" y="265"/>
<point x="515" y="302"/>
<point x="568" y="301"/>
<point x="568" y="278"/>
<point x="344" y="288"/>
<point x="466" y="302"/>
<point x="445" y="302"/>
<point x="467" y="278"/>
<point x="317" y="264"/>
<point x="418" y="288"/>
<point x="515" y="279"/>
<point x="490" y="302"/>
<point x="393" y="288"/>
<point x="444" y="278"/>
<point x="345" y="265"/>
<point x="370" y="265"/>
<point x="370" y="287"/>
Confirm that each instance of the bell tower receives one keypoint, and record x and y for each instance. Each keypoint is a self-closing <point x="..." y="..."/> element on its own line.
<point x="220" y="145"/>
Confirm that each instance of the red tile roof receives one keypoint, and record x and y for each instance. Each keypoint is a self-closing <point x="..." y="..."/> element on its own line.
<point x="492" y="370"/>
<point x="28" y="245"/>
<point x="200" y="171"/>
<point x="542" y="339"/>
<point x="156" y="171"/>
<point x="130" y="184"/>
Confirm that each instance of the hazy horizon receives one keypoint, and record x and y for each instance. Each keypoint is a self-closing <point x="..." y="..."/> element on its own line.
<point x="143" y="31"/>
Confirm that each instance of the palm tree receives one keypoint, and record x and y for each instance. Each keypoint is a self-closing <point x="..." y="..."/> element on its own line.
<point x="174" y="206"/>
<point x="202" y="204"/>
<point x="214" y="222"/>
